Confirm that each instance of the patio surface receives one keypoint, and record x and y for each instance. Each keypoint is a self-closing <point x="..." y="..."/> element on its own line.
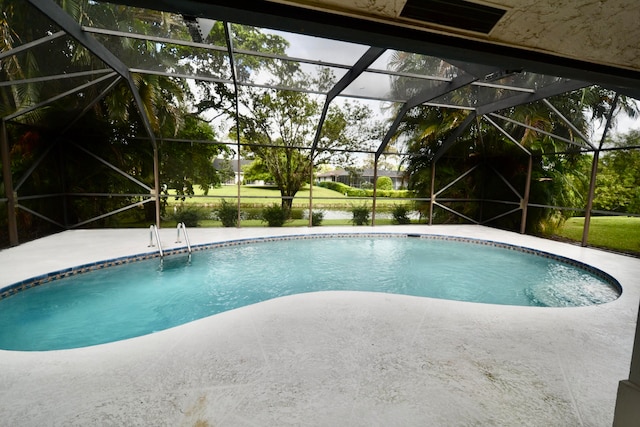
<point x="330" y="358"/>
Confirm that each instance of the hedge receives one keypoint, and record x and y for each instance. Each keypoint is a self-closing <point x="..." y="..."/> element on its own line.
<point x="360" y="192"/>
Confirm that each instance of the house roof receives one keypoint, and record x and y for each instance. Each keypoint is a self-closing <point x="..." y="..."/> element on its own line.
<point x="218" y="163"/>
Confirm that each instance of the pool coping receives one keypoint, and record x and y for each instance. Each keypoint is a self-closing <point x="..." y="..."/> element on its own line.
<point x="35" y="281"/>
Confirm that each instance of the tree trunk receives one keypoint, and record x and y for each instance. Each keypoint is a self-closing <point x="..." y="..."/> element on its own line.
<point x="287" y="202"/>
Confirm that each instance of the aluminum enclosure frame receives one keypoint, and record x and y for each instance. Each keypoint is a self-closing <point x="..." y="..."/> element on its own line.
<point x="478" y="61"/>
<point x="475" y="74"/>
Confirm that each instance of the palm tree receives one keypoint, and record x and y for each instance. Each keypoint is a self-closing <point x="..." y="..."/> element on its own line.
<point x="557" y="180"/>
<point x="111" y="127"/>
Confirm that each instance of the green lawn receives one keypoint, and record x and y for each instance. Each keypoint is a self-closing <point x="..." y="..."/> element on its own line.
<point x="619" y="233"/>
<point x="259" y="195"/>
<point x="255" y="198"/>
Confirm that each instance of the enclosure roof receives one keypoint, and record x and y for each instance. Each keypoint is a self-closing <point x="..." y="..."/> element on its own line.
<point x="494" y="65"/>
<point x="594" y="41"/>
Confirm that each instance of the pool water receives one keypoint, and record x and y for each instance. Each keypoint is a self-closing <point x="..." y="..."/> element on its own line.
<point x="143" y="297"/>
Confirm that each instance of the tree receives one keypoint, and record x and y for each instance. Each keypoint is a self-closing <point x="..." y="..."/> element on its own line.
<point x="618" y="181"/>
<point x="384" y="183"/>
<point x="224" y="168"/>
<point x="557" y="179"/>
<point x="257" y="171"/>
<point x="355" y="175"/>
<point x="218" y="99"/>
<point x="113" y="129"/>
<point x="281" y="125"/>
<point x="184" y="165"/>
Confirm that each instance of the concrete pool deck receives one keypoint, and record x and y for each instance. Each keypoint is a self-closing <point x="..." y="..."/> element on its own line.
<point x="330" y="358"/>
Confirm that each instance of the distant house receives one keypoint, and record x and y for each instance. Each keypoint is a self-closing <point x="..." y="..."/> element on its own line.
<point x="233" y="163"/>
<point x="366" y="176"/>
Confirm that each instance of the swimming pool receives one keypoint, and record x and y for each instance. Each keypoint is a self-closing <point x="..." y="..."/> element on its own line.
<point x="138" y="298"/>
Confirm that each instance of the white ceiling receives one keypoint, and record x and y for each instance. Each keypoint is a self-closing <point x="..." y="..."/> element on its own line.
<point x="603" y="32"/>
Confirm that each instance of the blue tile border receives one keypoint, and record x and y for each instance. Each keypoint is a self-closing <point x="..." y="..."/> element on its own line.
<point x="72" y="271"/>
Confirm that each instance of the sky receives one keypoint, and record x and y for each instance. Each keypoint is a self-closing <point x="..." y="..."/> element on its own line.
<point x="622" y="125"/>
<point x="625" y="124"/>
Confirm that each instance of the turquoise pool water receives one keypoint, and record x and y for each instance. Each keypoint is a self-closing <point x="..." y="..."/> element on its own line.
<point x="142" y="297"/>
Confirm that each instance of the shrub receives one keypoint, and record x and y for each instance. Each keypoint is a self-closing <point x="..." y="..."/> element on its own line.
<point x="274" y="215"/>
<point x="251" y="213"/>
<point x="297" y="214"/>
<point x="360" y="215"/>
<point x="384" y="183"/>
<point x="227" y="212"/>
<point x="358" y="192"/>
<point x="316" y="218"/>
<point x="335" y="186"/>
<point x="401" y="214"/>
<point x="190" y="215"/>
<point x="364" y="192"/>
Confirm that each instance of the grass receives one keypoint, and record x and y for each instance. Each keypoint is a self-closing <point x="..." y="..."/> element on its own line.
<point x="618" y="233"/>
<point x="259" y="196"/>
<point x="253" y="198"/>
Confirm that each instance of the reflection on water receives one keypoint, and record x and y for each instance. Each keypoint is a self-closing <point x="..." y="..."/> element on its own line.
<point x="336" y="214"/>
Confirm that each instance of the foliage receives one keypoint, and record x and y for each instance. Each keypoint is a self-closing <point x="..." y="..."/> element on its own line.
<point x="281" y="126"/>
<point x="274" y="215"/>
<point x="316" y="218"/>
<point x="489" y="158"/>
<point x="384" y="183"/>
<point x="113" y="128"/>
<point x="366" y="185"/>
<point x="217" y="97"/>
<point x="251" y="214"/>
<point x="361" y="192"/>
<point x="401" y="214"/>
<point x="183" y="165"/>
<point x="335" y="186"/>
<point x="618" y="180"/>
<point x="257" y="171"/>
<point x="360" y="214"/>
<point x="189" y="215"/>
<point x="224" y="169"/>
<point x="227" y="212"/>
<point x="393" y="193"/>
<point x="296" y="214"/>
<point x="355" y="175"/>
<point x="253" y="198"/>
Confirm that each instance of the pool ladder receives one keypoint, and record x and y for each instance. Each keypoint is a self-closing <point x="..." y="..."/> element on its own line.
<point x="153" y="232"/>
<point x="183" y="227"/>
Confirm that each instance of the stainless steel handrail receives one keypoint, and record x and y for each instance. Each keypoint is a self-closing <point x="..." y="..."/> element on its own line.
<point x="153" y="230"/>
<point x="186" y="236"/>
